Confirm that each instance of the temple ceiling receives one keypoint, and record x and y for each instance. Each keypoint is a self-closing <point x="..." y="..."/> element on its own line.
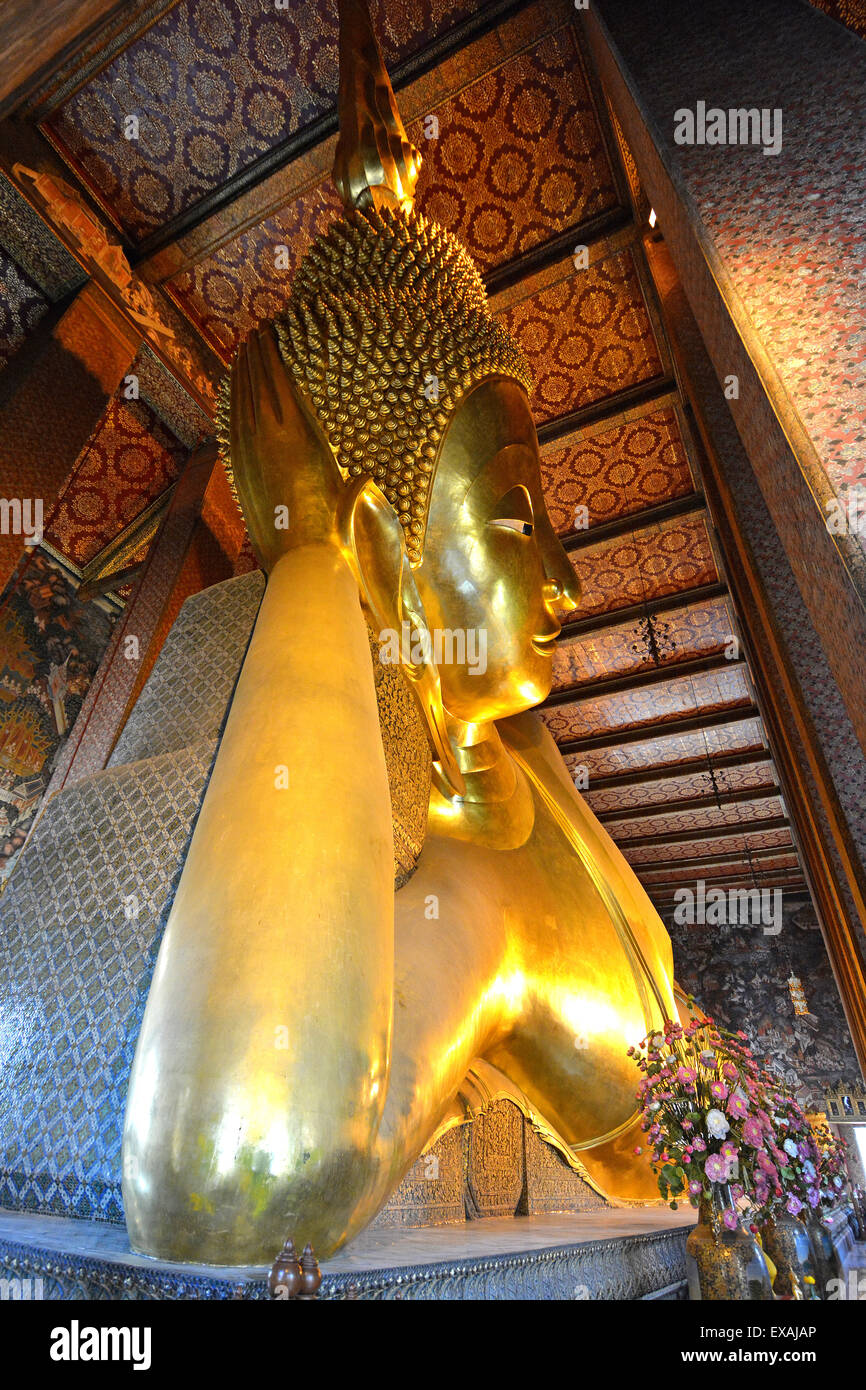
<point x="213" y="207"/>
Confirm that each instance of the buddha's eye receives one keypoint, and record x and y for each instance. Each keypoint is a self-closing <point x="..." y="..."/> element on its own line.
<point x="515" y="512"/>
<point x="512" y="523"/>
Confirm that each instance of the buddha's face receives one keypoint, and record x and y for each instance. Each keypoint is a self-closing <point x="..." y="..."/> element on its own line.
<point x="493" y="573"/>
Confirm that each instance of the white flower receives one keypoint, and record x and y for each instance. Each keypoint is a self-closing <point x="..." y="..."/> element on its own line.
<point x="790" y="1147"/>
<point x="717" y="1125"/>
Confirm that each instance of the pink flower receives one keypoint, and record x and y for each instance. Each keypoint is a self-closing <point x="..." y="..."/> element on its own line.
<point x="638" y="1149"/>
<point x="700" y="1144"/>
<point x="686" y="1075"/>
<point x="730" y="1071"/>
<point x="729" y="1150"/>
<point x="718" y="1090"/>
<point x="716" y="1168"/>
<point x="738" y="1106"/>
<point x="753" y="1133"/>
<point x="696" y="1188"/>
<point x="729" y="1216"/>
<point x="767" y="1166"/>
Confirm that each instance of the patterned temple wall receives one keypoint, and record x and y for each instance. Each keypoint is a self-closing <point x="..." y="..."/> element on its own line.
<point x="739" y="975"/>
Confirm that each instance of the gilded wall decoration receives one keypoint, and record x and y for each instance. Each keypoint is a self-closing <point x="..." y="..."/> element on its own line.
<point x="50" y="647"/>
<point x="739" y="975"/>
<point x="34" y="248"/>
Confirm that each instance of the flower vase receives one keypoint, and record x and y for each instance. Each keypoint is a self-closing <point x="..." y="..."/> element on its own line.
<point x="723" y="1263"/>
<point x="786" y="1241"/>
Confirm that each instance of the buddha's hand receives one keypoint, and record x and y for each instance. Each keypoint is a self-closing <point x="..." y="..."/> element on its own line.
<point x="286" y="475"/>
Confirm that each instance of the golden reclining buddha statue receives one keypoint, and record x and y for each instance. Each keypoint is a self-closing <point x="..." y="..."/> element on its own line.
<point x="311" y="1019"/>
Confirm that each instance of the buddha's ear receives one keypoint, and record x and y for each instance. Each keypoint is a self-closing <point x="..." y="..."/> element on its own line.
<point x="372" y="540"/>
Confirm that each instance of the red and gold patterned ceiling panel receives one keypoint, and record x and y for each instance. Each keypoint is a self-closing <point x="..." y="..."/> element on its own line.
<point x="216" y="84"/>
<point x="617" y="472"/>
<point x="519" y="156"/>
<point x="518" y="159"/>
<point x="675" y="699"/>
<point x="699" y="629"/>
<point x="249" y="278"/>
<point x="770" y="864"/>
<point x="648" y="563"/>
<point x="126" y="464"/>
<point x="707" y="849"/>
<point x="672" y="822"/>
<point x="586" y="337"/>
<point x="667" y="750"/>
<point x="670" y="790"/>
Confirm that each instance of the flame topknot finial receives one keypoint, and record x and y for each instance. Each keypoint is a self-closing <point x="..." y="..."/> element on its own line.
<point x="375" y="165"/>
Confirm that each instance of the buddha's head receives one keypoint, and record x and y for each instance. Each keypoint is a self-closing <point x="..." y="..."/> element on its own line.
<point x="418" y="388"/>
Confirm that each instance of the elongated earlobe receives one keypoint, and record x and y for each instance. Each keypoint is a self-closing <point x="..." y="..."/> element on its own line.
<point x="373" y="542"/>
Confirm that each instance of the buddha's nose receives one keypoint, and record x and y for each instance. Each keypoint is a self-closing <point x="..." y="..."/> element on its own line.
<point x="561" y="587"/>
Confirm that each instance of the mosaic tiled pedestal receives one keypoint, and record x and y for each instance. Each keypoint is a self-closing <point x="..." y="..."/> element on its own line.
<point x="610" y="1254"/>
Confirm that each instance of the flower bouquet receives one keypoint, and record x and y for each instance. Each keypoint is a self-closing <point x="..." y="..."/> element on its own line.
<point x="795" y="1153"/>
<point x="708" y="1136"/>
<point x="707" y="1143"/>
<point x="832" y="1167"/>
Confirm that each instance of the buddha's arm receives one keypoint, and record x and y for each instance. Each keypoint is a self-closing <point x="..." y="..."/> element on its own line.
<point x="262" y="1064"/>
<point x="642" y="931"/>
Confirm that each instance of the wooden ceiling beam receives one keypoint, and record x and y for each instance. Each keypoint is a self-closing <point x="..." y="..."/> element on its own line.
<point x="660" y="728"/>
<point x="642" y="680"/>
<point x="692" y="803"/>
<point x="661" y="391"/>
<point x="594" y="233"/>
<point x="635" y="521"/>
<point x="745" y="879"/>
<point x="715" y="860"/>
<point x="793" y="885"/>
<point x="713" y="832"/>
<point x="693" y="767"/>
<point x="601" y="622"/>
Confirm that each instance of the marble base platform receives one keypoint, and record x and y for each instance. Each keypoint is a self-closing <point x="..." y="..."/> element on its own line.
<point x="635" y="1253"/>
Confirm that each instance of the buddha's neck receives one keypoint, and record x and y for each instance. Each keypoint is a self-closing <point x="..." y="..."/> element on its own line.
<point x="481" y="756"/>
<point x="497" y="800"/>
